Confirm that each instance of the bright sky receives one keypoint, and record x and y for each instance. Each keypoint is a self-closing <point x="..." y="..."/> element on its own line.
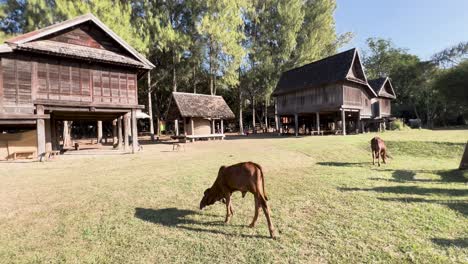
<point x="424" y="27"/>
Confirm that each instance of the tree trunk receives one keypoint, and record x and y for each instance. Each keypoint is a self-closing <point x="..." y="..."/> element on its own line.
<point x="266" y="114"/>
<point x="211" y="71"/>
<point x="253" y="116"/>
<point x="174" y="77"/>
<point x="194" y="80"/>
<point x="241" y="124"/>
<point x="150" y="107"/>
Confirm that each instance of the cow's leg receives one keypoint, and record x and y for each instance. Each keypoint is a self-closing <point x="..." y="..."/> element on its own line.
<point x="384" y="156"/>
<point x="373" y="157"/>
<point x="266" y="210"/>
<point x="377" y="154"/>
<point x="257" y="207"/>
<point x="228" y="208"/>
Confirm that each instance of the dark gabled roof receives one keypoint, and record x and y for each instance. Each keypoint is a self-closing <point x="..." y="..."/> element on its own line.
<point x="31" y="41"/>
<point x="378" y="85"/>
<point x="201" y="105"/>
<point x="325" y="71"/>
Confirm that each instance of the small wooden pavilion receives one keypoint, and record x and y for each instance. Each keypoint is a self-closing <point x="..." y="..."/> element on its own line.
<point x="331" y="95"/>
<point x="75" y="70"/>
<point x="199" y="116"/>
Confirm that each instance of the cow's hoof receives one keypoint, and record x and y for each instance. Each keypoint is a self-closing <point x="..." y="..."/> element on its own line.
<point x="252" y="225"/>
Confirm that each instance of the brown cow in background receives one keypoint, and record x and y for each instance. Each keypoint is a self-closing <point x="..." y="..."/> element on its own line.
<point x="244" y="177"/>
<point x="378" y="149"/>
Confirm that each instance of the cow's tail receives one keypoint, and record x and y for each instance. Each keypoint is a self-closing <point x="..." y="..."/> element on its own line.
<point x="263" y="181"/>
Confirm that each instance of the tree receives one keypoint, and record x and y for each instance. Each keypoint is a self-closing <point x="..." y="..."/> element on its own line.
<point x="221" y="33"/>
<point x="452" y="85"/>
<point x="452" y="56"/>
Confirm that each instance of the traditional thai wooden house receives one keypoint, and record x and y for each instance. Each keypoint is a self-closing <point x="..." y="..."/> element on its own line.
<point x="331" y="95"/>
<point x="200" y="116"/>
<point x="382" y="106"/>
<point x="75" y="70"/>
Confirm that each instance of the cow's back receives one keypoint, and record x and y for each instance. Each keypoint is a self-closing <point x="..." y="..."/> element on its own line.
<point x="241" y="176"/>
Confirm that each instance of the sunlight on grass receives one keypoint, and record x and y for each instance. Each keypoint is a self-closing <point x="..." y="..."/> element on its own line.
<point x="329" y="204"/>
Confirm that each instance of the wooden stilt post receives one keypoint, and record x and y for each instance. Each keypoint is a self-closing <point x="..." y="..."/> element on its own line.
<point x="134" y="132"/>
<point x="317" y="122"/>
<point x="119" y="132"/>
<point x="126" y="131"/>
<point x="99" y="131"/>
<point x="40" y="131"/>
<point x="222" y="128"/>
<point x="114" y="133"/>
<point x="359" y="123"/>
<point x="176" y="127"/>
<point x="296" y="125"/>
<point x="343" y="121"/>
<point x="192" y="128"/>
<point x="53" y="134"/>
<point x="66" y="134"/>
<point x="213" y="131"/>
<point x="48" y="135"/>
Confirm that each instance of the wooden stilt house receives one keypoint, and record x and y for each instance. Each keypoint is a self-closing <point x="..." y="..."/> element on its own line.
<point x="331" y="95"/>
<point x="75" y="70"/>
<point x="199" y="116"/>
<point x="382" y="106"/>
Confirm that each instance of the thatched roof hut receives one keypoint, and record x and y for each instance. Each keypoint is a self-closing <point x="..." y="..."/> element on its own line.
<point x="201" y="115"/>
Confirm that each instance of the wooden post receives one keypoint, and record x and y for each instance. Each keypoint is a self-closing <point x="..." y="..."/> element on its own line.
<point x="222" y="126"/>
<point x="99" y="131"/>
<point x="66" y="134"/>
<point x="192" y="126"/>
<point x="343" y="121"/>
<point x="296" y="125"/>
<point x="317" y="122"/>
<point x="176" y="127"/>
<point x="213" y="131"/>
<point x="40" y="131"/>
<point x="126" y="131"/>
<point x="114" y="133"/>
<point x="362" y="127"/>
<point x="48" y="135"/>
<point x="134" y="132"/>
<point x="119" y="129"/>
<point x="53" y="134"/>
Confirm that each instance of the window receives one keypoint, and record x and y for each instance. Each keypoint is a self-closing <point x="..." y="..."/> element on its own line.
<point x="302" y="100"/>
<point x="284" y="101"/>
<point x="366" y="102"/>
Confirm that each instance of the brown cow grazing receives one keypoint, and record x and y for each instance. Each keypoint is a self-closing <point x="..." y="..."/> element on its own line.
<point x="378" y="149"/>
<point x="244" y="177"/>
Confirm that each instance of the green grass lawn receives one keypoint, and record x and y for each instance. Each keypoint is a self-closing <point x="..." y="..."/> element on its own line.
<point x="329" y="204"/>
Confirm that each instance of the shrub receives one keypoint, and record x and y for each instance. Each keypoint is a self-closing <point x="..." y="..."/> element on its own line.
<point x="399" y="125"/>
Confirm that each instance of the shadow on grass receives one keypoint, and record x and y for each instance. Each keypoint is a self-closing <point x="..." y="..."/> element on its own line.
<point x="456" y="205"/>
<point x="413" y="190"/>
<point x="344" y="164"/>
<point x="177" y="218"/>
<point x="409" y="176"/>
<point x="461" y="242"/>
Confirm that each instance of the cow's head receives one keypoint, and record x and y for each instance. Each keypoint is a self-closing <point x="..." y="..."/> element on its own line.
<point x="212" y="195"/>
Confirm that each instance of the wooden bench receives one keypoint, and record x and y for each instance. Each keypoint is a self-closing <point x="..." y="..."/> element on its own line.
<point x="20" y="153"/>
<point x="209" y="136"/>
